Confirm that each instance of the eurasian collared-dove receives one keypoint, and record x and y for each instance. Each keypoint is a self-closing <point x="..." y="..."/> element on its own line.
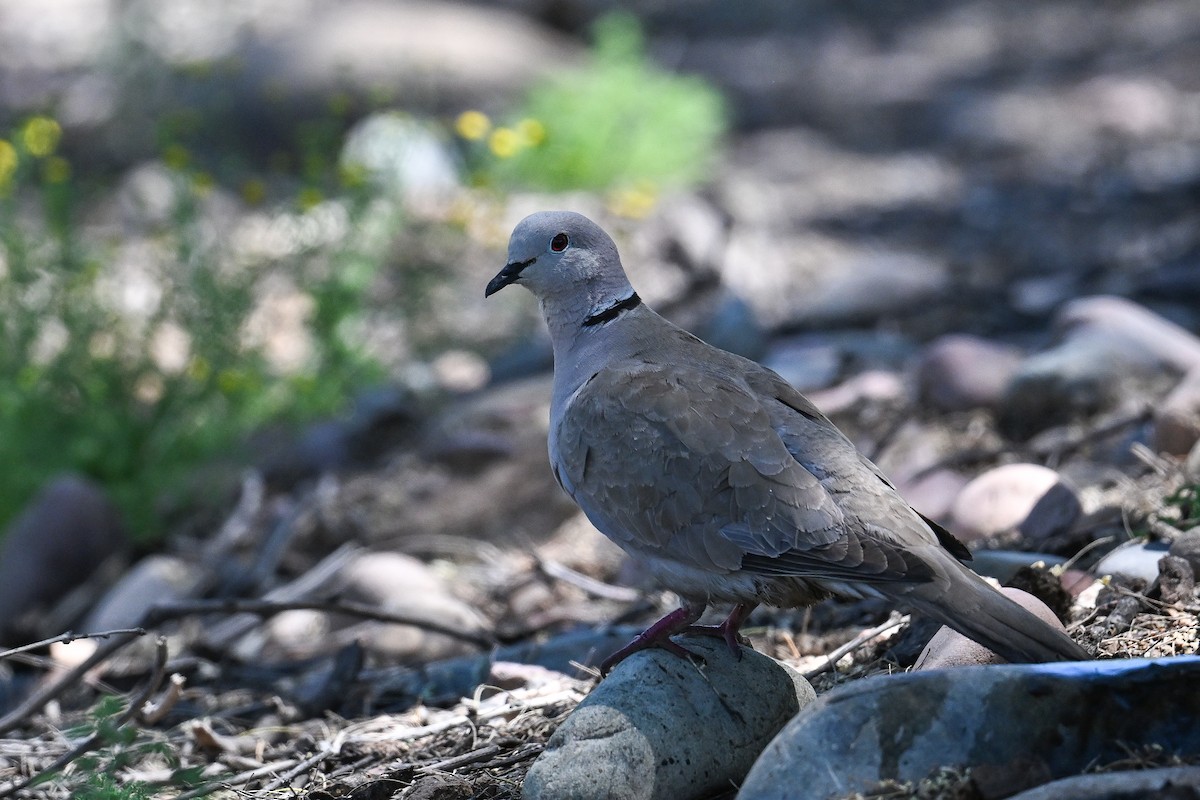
<point x="712" y="471"/>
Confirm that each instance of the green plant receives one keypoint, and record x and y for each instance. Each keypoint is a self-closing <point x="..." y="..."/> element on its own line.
<point x="137" y="389"/>
<point x="618" y="122"/>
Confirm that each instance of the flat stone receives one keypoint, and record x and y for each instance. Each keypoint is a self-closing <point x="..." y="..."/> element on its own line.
<point x="661" y="727"/>
<point x="1067" y="716"/>
<point x="1133" y="560"/>
<point x="1152" y="337"/>
<point x="1164" y="783"/>
<point x="153" y="580"/>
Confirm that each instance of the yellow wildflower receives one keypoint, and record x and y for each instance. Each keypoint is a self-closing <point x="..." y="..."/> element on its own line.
<point x="176" y="156"/>
<point x="633" y="202"/>
<point x="41" y="136"/>
<point x="504" y="142"/>
<point x="532" y="132"/>
<point x="308" y="198"/>
<point x="472" y="125"/>
<point x="8" y="162"/>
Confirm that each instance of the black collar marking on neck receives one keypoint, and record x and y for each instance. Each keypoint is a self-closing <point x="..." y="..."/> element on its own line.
<point x="613" y="311"/>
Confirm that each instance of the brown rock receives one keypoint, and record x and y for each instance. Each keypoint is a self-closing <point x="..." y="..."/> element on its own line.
<point x="949" y="648"/>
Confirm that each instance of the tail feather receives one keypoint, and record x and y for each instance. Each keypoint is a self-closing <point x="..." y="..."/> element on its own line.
<point x="969" y="605"/>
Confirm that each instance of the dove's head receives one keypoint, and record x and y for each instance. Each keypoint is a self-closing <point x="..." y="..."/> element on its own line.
<point x="568" y="262"/>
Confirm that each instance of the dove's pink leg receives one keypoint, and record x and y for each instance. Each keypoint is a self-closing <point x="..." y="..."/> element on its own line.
<point x="659" y="635"/>
<point x="728" y="630"/>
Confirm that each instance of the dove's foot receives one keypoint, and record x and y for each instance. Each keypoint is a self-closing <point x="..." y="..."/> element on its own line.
<point x="659" y="635"/>
<point x="728" y="630"/>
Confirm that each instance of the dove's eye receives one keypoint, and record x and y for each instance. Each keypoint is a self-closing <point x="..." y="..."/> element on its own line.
<point x="559" y="242"/>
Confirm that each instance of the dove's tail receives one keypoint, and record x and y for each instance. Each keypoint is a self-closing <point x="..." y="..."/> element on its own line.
<point x="972" y="607"/>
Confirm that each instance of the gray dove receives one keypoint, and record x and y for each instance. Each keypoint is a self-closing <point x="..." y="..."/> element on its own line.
<point x="719" y="477"/>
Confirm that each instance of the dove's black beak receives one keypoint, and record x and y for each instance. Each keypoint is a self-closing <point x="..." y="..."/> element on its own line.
<point x="510" y="273"/>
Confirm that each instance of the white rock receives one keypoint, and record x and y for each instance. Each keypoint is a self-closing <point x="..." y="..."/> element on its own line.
<point x="1028" y="498"/>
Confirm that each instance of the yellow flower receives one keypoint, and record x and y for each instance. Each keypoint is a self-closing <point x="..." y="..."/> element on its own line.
<point x="532" y="132"/>
<point x="41" y="136"/>
<point x="203" y="183"/>
<point x="634" y="202"/>
<point x="472" y="125"/>
<point x="56" y="170"/>
<point x="8" y="162"/>
<point x="198" y="369"/>
<point x="504" y="142"/>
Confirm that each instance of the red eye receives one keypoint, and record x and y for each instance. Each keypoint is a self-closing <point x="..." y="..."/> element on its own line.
<point x="559" y="242"/>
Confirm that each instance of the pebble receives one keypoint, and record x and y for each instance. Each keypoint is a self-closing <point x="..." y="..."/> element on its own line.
<point x="1177" y="417"/>
<point x="660" y="727"/>
<point x="949" y="648"/>
<point x="1028" y="498"/>
<point x="1133" y="560"/>
<point x="960" y="372"/>
<point x="67" y="530"/>
<point x="902" y="727"/>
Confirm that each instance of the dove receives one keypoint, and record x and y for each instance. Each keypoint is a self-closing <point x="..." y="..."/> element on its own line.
<point x="719" y="477"/>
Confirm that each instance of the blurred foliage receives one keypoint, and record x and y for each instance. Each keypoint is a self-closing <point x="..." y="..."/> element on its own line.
<point x="137" y="399"/>
<point x="620" y="122"/>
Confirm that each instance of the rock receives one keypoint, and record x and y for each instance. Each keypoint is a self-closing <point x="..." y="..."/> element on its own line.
<point x="932" y="493"/>
<point x="153" y="580"/>
<point x="1177" y="417"/>
<point x="662" y="727"/>
<point x="1191" y="467"/>
<point x="1176" y="580"/>
<point x="1155" y="340"/>
<point x="67" y="530"/>
<point x="872" y="386"/>
<point x="959" y="372"/>
<point x="806" y="362"/>
<point x="949" y="648"/>
<point x="1028" y="498"/>
<point x="902" y="727"/>
<point x="404" y="585"/>
<point x="1081" y="376"/>
<point x="1187" y="546"/>
<point x="1163" y="783"/>
<point x="1133" y="560"/>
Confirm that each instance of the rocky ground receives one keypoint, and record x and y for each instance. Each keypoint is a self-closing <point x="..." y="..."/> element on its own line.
<point x="969" y="233"/>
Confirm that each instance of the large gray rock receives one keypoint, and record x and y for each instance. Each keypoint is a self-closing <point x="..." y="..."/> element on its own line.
<point x="958" y="372"/>
<point x="1066" y="716"/>
<point x="154" y="580"/>
<point x="1164" y="783"/>
<point x="660" y="727"/>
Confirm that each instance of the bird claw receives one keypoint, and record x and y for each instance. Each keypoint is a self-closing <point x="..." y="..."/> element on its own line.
<point x="643" y="642"/>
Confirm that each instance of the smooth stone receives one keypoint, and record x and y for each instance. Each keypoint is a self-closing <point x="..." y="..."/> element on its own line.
<point x="1177" y="417"/>
<point x="959" y="372"/>
<point x="1070" y="716"/>
<point x="949" y="648"/>
<point x="1164" y="783"/>
<point x="1155" y="339"/>
<point x="67" y="530"/>
<point x="1133" y="560"/>
<point x="154" y="580"/>
<point x="661" y="727"/>
<point x="933" y="493"/>
<point x="407" y="157"/>
<point x="1028" y="498"/>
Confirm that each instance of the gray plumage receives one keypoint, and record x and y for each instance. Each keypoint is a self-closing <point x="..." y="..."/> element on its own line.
<point x="727" y="483"/>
